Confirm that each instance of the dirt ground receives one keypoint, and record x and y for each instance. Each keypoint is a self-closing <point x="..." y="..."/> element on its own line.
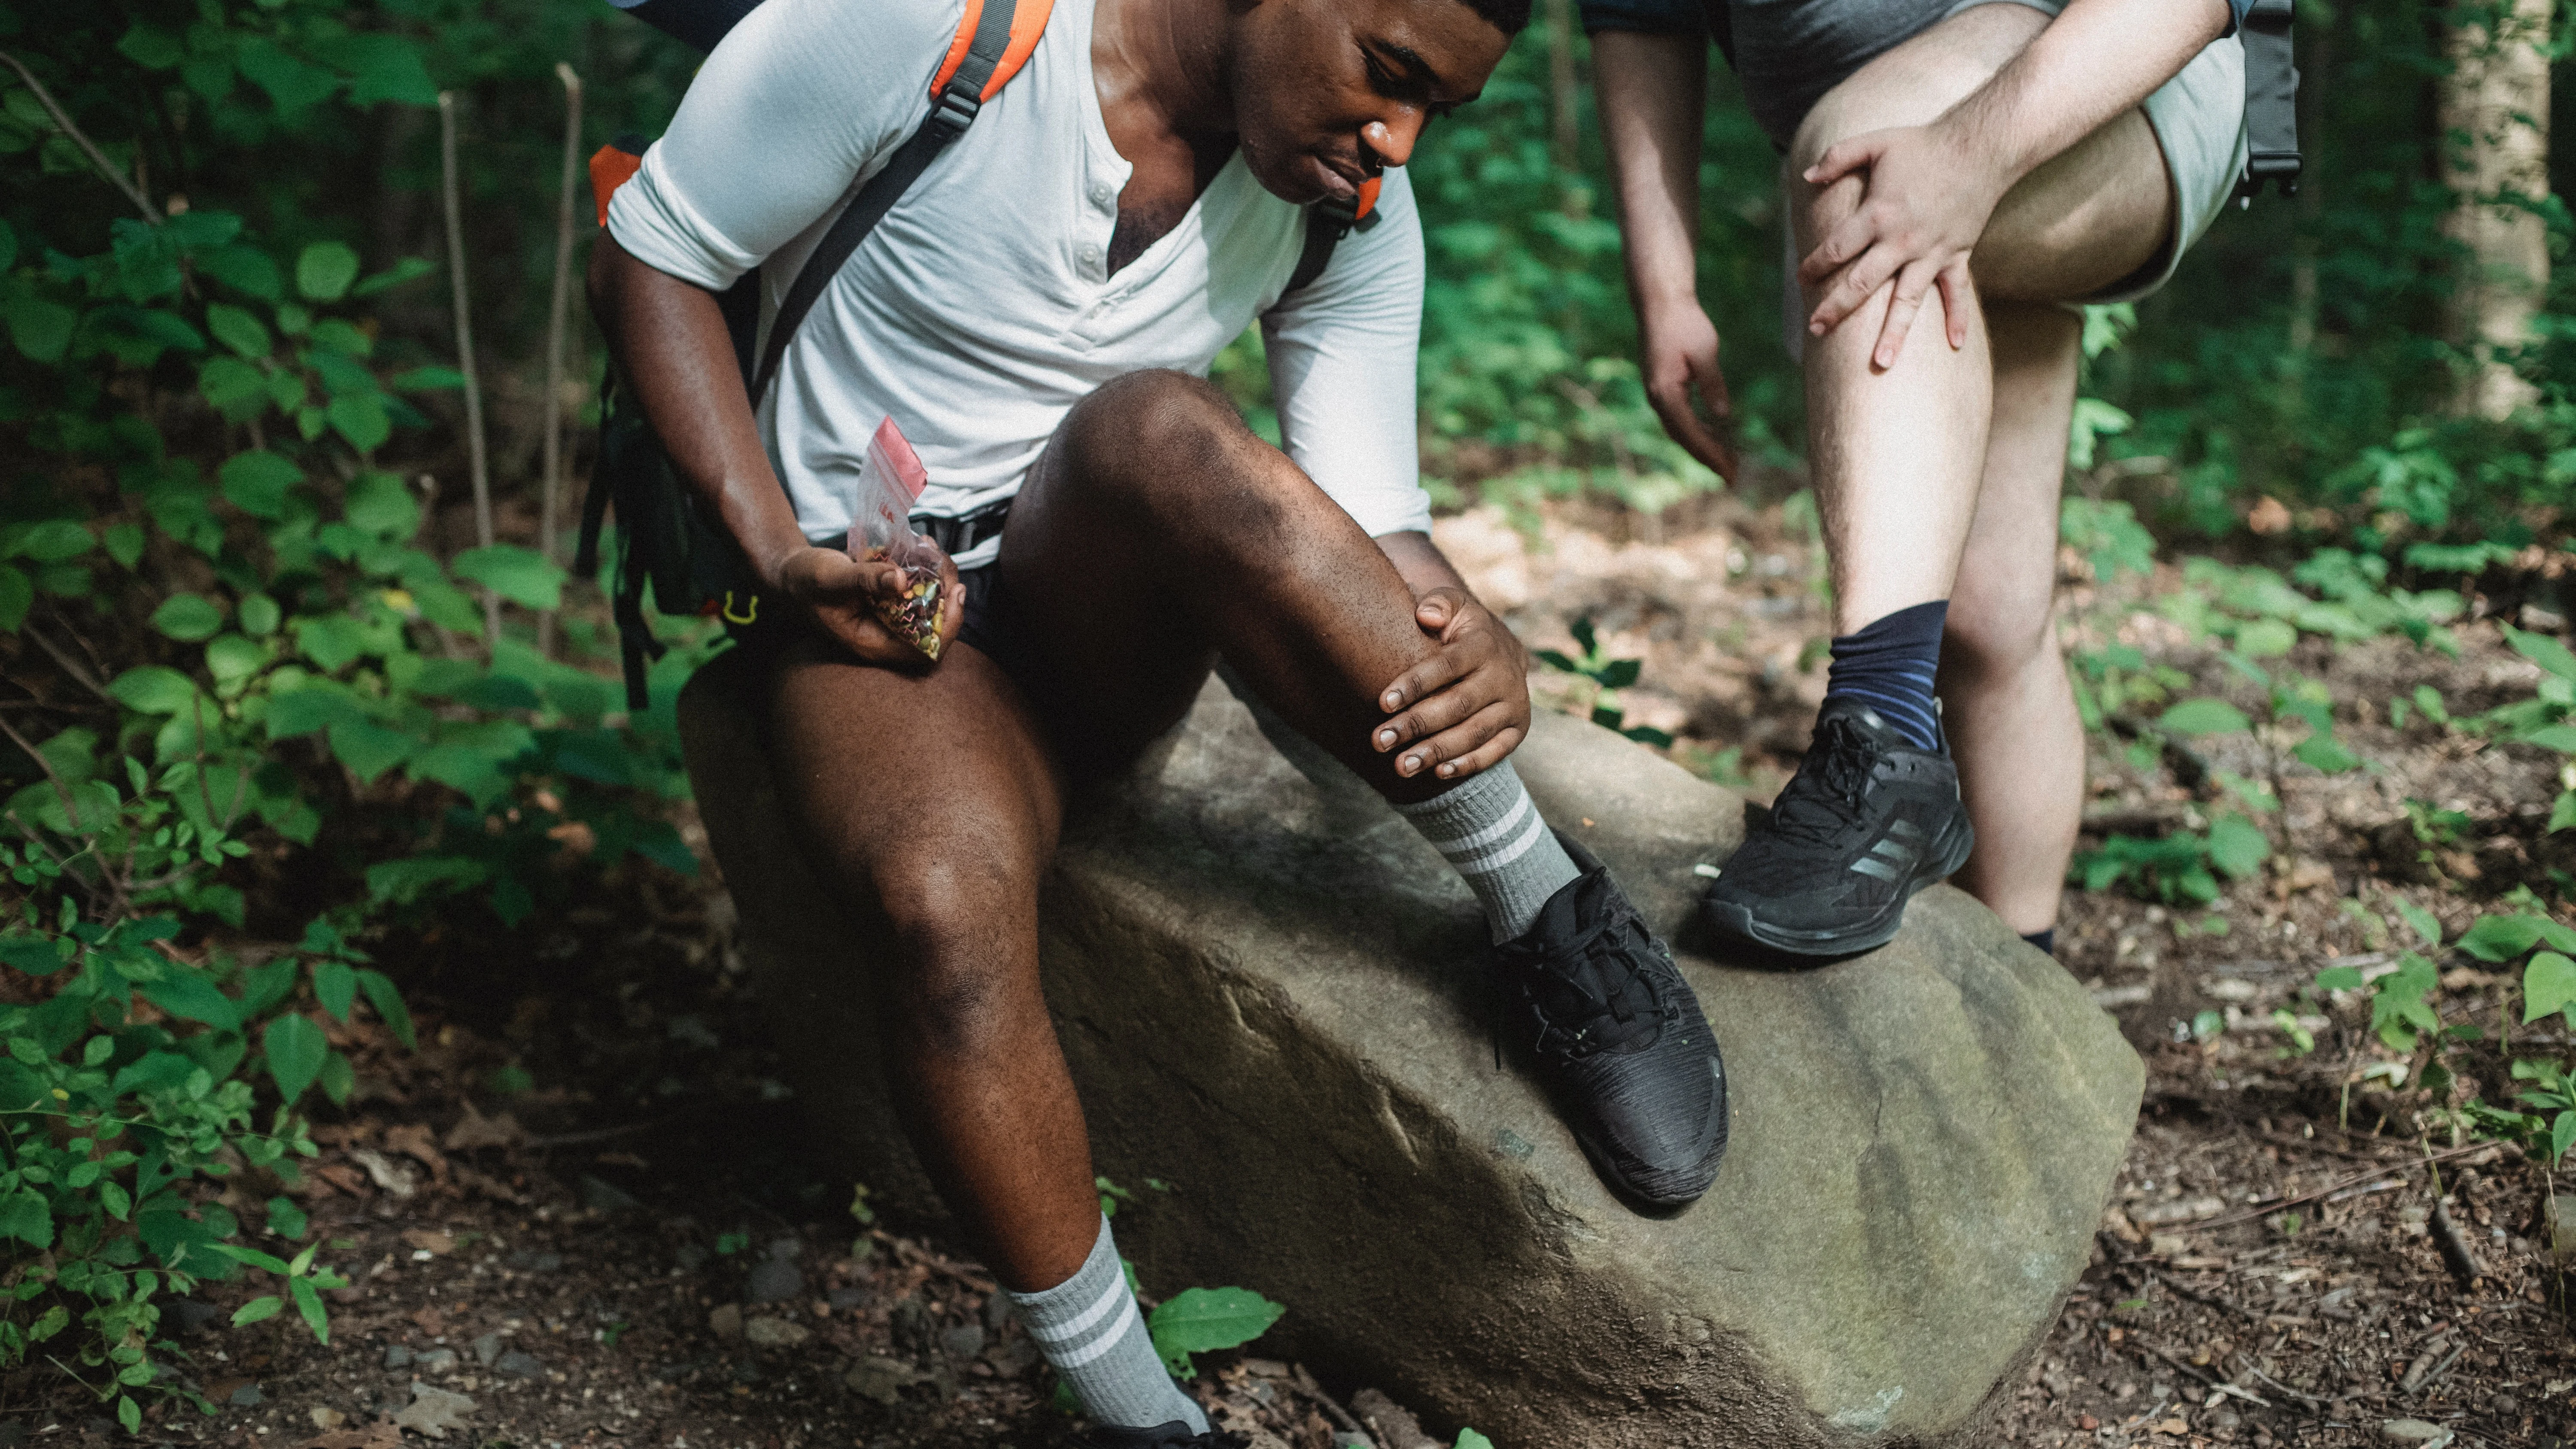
<point x="578" y="1215"/>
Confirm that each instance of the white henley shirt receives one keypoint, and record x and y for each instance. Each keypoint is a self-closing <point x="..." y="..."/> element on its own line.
<point x="981" y="308"/>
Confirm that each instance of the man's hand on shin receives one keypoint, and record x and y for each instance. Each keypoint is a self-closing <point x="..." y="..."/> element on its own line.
<point x="1467" y="707"/>
<point x="842" y="594"/>
<point x="1925" y="201"/>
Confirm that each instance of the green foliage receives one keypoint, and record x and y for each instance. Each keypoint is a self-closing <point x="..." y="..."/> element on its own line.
<point x="201" y="408"/>
<point x="1608" y="677"/>
<point x="2183" y="866"/>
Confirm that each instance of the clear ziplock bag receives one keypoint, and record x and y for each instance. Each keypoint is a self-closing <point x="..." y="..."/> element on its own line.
<point x="881" y="531"/>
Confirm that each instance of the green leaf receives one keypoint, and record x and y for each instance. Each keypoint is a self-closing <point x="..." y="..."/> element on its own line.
<point x="190" y="996"/>
<point x="386" y="998"/>
<point x="409" y="269"/>
<point x="2559" y="737"/>
<point x="2502" y="938"/>
<point x="295" y="1048"/>
<point x="256" y="482"/>
<point x="308" y="1302"/>
<point x="258" y="1310"/>
<point x="286" y="1219"/>
<point x="368" y="748"/>
<point x="2423" y="921"/>
<point x="335" y="985"/>
<point x="41" y="329"/>
<point x="151" y="48"/>
<point x="1557" y="661"/>
<point x="324" y="270"/>
<point x="337" y="1079"/>
<point x="380" y="504"/>
<point x="426" y="379"/>
<point x="1619" y="673"/>
<point x="234" y="388"/>
<point x="188" y="618"/>
<point x="153" y="689"/>
<point x="56" y="540"/>
<point x="360" y="418"/>
<point x="17" y="595"/>
<point x="237" y="329"/>
<point x="2265" y="638"/>
<point x="1202" y="1320"/>
<point x="2325" y="754"/>
<point x="2542" y="650"/>
<point x="24" y="1216"/>
<point x="246" y="269"/>
<point x="1470" y="1439"/>
<point x="333" y="641"/>
<point x="2237" y="846"/>
<point x="2561" y="814"/>
<point x="292" y="85"/>
<point x="259" y="616"/>
<point x="230" y="658"/>
<point x="523" y="576"/>
<point x="2548" y="985"/>
<point x="128" y="1412"/>
<point x="2203" y="716"/>
<point x="2562" y="1135"/>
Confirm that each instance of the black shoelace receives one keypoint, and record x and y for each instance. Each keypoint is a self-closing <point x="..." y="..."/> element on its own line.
<point x="1837" y="773"/>
<point x="1600" y="998"/>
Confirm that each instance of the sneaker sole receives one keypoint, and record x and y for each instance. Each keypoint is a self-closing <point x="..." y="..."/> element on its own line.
<point x="1729" y="918"/>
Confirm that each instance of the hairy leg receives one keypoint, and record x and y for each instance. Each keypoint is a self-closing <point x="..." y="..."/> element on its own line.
<point x="1159" y="532"/>
<point x="2008" y="707"/>
<point x="930" y="810"/>
<point x="1898" y="453"/>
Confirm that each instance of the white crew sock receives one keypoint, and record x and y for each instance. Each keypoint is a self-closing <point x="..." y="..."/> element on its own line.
<point x="1489" y="829"/>
<point x="1090" y="1332"/>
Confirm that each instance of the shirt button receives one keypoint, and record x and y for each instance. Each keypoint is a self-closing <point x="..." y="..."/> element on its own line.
<point x="1090" y="254"/>
<point x="1101" y="195"/>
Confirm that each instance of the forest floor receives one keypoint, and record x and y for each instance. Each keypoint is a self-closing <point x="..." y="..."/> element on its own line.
<point x="578" y="1215"/>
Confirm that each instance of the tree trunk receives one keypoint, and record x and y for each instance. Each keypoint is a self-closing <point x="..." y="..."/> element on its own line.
<point x="2495" y="120"/>
<point x="1564" y="134"/>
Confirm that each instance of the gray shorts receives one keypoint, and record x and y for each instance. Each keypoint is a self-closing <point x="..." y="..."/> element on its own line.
<point x="1789" y="53"/>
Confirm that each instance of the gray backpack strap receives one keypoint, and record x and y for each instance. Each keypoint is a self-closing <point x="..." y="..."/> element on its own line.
<point x="950" y="114"/>
<point x="2271" y="102"/>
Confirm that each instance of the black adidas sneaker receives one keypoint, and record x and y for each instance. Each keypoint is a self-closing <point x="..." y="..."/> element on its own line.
<point x="1868" y="821"/>
<point x="1619" y="1039"/>
<point x="1174" y="1435"/>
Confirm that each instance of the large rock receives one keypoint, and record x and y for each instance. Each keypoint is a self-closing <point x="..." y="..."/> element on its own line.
<point x="1271" y="992"/>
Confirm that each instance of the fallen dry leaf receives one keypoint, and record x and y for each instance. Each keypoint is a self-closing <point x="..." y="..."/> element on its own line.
<point x="340" y="1175"/>
<point x="429" y="1238"/>
<point x="383" y="1171"/>
<point x="381" y="1434"/>
<point x="412" y="1139"/>
<point x="474" y="1130"/>
<point x="434" y="1411"/>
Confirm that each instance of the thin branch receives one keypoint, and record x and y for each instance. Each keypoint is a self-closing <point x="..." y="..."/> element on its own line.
<point x="558" y="310"/>
<point x="70" y="666"/>
<point x="474" y="448"/>
<point x="97" y="158"/>
<point x="71" y="811"/>
<point x="2394" y="1169"/>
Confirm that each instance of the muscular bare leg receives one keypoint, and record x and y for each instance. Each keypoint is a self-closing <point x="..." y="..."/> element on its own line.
<point x="2008" y="708"/>
<point x="1938" y="477"/>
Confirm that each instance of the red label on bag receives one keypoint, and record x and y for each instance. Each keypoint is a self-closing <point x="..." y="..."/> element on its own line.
<point x="905" y="463"/>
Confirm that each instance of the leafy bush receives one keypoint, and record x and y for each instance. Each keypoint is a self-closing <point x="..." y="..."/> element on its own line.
<point x="310" y="694"/>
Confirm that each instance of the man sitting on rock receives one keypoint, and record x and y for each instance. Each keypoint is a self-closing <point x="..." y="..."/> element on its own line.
<point x="2014" y="157"/>
<point x="1035" y="313"/>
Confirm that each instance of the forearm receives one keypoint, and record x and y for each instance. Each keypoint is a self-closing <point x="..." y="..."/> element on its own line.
<point x="1420" y="562"/>
<point x="1651" y="90"/>
<point x="2094" y="61"/>
<point x="671" y="346"/>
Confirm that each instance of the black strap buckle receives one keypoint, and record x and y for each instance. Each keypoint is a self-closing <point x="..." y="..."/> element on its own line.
<point x="955" y="109"/>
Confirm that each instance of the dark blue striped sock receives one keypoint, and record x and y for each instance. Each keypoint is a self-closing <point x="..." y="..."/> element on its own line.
<point x="1890" y="664"/>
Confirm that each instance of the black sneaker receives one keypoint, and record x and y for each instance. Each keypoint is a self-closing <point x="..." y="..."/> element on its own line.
<point x="1868" y="821"/>
<point x="1620" y="1041"/>
<point x="1174" y="1435"/>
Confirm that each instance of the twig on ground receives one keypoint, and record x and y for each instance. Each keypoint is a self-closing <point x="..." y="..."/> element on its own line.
<point x="474" y="449"/>
<point x="2211" y="1300"/>
<point x="557" y="309"/>
<point x="68" y="664"/>
<point x="2457" y="1254"/>
<point x="2251" y="1367"/>
<point x="2395" y="1169"/>
<point x="1306" y="1385"/>
<point x="912" y="1252"/>
<point x="97" y="158"/>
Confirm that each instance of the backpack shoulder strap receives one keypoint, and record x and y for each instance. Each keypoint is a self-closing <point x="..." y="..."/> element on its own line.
<point x="993" y="42"/>
<point x="1327" y="222"/>
<point x="2271" y="101"/>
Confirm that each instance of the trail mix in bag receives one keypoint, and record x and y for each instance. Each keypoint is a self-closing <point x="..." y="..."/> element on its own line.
<point x="889" y="481"/>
